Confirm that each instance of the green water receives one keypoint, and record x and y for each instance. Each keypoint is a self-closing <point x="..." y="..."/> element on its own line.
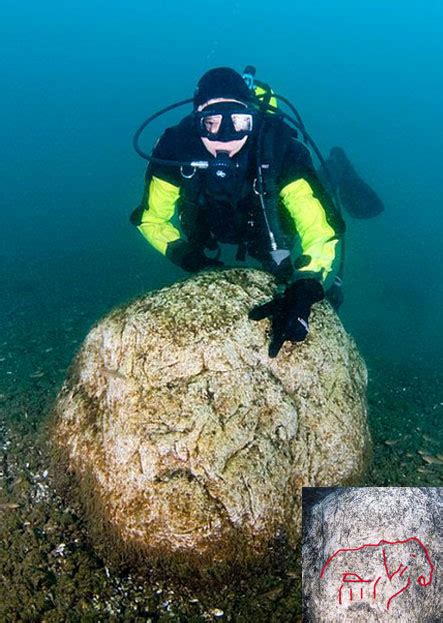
<point x="77" y="79"/>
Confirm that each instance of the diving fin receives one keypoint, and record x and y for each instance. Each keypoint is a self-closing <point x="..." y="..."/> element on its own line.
<point x="355" y="195"/>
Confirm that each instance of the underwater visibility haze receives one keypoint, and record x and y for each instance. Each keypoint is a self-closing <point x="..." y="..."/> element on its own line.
<point x="77" y="80"/>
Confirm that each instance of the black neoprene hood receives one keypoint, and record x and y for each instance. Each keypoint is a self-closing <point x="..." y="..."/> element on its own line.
<point x="221" y="82"/>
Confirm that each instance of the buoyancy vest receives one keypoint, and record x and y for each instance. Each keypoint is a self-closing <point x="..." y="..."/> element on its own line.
<point x="237" y="218"/>
<point x="208" y="217"/>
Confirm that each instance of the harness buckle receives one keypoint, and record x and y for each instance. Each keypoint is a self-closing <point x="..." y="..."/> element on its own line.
<point x="254" y="188"/>
<point x="187" y="177"/>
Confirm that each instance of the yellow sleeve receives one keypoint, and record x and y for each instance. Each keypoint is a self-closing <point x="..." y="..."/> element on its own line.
<point x="318" y="239"/>
<point x="155" y="223"/>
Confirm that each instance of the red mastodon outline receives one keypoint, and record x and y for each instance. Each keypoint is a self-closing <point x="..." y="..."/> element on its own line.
<point x="350" y="576"/>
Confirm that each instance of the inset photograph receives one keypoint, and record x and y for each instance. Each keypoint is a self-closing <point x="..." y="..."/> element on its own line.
<point x="372" y="554"/>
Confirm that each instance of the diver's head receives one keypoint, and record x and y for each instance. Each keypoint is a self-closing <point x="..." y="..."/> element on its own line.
<point x="223" y="111"/>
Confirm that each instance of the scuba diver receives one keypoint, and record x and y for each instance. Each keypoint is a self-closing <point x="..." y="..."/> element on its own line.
<point x="235" y="171"/>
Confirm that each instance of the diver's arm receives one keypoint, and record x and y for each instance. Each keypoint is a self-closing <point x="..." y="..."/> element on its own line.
<point x="318" y="238"/>
<point x="289" y="312"/>
<point x="299" y="191"/>
<point x="155" y="223"/>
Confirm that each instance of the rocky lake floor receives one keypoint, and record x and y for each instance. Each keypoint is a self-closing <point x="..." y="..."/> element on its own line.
<point x="48" y="569"/>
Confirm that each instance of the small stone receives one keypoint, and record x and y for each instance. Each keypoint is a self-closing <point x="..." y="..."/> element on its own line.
<point x="8" y="506"/>
<point x="274" y="593"/>
<point x="432" y="460"/>
<point x="59" y="550"/>
<point x="428" y="438"/>
<point x="216" y="612"/>
<point x="37" y="375"/>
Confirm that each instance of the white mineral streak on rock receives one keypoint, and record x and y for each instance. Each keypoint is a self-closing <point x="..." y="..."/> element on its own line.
<point x="409" y="521"/>
<point x="190" y="432"/>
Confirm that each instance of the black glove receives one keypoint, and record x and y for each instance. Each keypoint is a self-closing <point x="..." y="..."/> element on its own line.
<point x="289" y="312"/>
<point x="188" y="257"/>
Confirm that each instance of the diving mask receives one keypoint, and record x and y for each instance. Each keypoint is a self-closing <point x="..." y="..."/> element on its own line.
<point x="225" y="121"/>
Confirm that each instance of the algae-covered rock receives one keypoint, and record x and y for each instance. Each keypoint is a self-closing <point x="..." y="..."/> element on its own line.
<point x="373" y="554"/>
<point x="188" y="441"/>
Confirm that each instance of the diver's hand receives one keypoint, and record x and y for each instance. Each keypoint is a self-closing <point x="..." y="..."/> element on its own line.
<point x="289" y="313"/>
<point x="190" y="258"/>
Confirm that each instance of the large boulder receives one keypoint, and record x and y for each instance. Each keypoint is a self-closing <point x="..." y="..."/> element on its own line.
<point x="373" y="554"/>
<point x="188" y="441"/>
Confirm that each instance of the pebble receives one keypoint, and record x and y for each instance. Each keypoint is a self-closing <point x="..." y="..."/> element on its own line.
<point x="274" y="593"/>
<point x="216" y="612"/>
<point x="292" y="574"/>
<point x="59" y="550"/>
<point x="8" y="506"/>
<point x="433" y="460"/>
<point x="428" y="438"/>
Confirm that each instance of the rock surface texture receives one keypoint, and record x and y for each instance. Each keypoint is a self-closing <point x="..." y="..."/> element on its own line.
<point x="374" y="554"/>
<point x="187" y="440"/>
